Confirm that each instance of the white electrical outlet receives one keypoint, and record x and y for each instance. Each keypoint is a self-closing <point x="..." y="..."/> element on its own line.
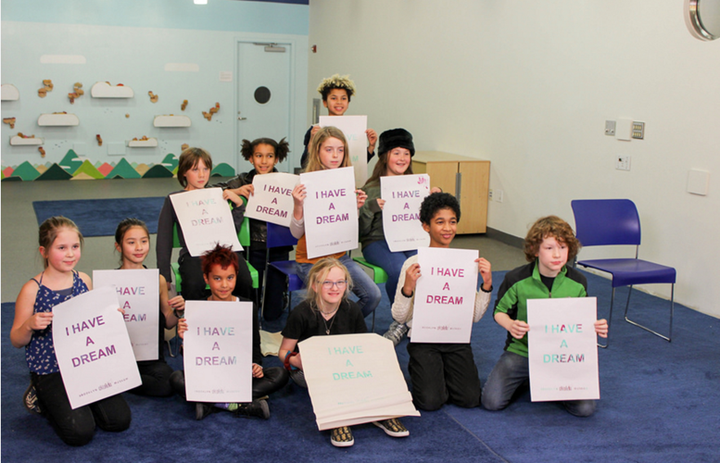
<point x="490" y="195"/>
<point x="623" y="163"/>
<point x="498" y="196"/>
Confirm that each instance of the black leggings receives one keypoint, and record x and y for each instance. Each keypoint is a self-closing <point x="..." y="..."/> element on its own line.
<point x="77" y="427"/>
<point x="274" y="379"/>
<point x="155" y="376"/>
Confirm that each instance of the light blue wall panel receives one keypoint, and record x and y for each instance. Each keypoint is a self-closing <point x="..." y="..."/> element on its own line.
<point x="217" y="15"/>
<point x="135" y="56"/>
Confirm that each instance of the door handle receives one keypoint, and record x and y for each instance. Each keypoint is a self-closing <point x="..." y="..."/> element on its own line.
<point x="242" y="118"/>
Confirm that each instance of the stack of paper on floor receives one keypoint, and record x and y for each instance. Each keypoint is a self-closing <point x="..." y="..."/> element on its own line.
<point x="353" y="379"/>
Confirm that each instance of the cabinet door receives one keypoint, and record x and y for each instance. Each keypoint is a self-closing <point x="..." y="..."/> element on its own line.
<point x="442" y="175"/>
<point x="473" y="196"/>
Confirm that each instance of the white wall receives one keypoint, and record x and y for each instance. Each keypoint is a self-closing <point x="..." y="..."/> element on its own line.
<point x="529" y="85"/>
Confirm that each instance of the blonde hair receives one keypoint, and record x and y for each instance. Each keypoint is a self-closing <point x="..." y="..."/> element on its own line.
<point x="318" y="273"/>
<point x="314" y="163"/>
<point x="50" y="229"/>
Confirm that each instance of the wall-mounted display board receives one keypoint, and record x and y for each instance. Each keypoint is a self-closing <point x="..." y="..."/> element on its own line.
<point x="58" y="120"/>
<point x="105" y="90"/>
<point x="149" y="143"/>
<point x="172" y="121"/>
<point x="10" y="92"/>
<point x="20" y="141"/>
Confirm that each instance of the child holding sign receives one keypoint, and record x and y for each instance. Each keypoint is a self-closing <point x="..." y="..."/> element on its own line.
<point x="263" y="154"/>
<point x="132" y="241"/>
<point x="336" y="92"/>
<point x="549" y="244"/>
<point x="329" y="151"/>
<point x="325" y="311"/>
<point x="440" y="372"/>
<point x="220" y="268"/>
<point x="60" y="246"/>
<point x="394" y="158"/>
<point x="194" y="168"/>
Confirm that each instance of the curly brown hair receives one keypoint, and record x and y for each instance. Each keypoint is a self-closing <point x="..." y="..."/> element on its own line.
<point x="550" y="226"/>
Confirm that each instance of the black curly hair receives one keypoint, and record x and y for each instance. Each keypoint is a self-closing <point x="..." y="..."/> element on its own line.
<point x="436" y="201"/>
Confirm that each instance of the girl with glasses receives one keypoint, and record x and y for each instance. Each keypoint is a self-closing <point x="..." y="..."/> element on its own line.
<point x="327" y="310"/>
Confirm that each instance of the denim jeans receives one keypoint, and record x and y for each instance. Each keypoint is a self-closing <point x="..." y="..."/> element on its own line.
<point x="364" y="287"/>
<point x="509" y="373"/>
<point x="378" y="253"/>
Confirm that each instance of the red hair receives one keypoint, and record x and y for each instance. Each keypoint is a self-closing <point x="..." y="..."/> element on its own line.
<point x="220" y="255"/>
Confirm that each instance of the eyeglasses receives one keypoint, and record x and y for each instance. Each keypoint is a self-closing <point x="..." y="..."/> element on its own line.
<point x="327" y="284"/>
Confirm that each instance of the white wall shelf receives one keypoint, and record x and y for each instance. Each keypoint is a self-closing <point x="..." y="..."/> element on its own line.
<point x="149" y="143"/>
<point x="64" y="120"/>
<point x="10" y="92"/>
<point x="105" y="90"/>
<point x="20" y="141"/>
<point x="172" y="121"/>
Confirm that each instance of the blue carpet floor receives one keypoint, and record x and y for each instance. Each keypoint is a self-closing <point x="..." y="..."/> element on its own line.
<point x="659" y="403"/>
<point x="100" y="217"/>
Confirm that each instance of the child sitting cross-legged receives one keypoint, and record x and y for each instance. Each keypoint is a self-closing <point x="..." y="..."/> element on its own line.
<point x="327" y="311"/>
<point x="549" y="244"/>
<point x="220" y="267"/>
<point x="440" y="372"/>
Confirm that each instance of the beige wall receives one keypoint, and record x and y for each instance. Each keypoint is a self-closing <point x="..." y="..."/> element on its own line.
<point x="529" y="85"/>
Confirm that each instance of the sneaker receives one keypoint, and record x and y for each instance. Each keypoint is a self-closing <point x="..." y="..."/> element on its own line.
<point x="392" y="427"/>
<point x="342" y="437"/>
<point x="257" y="408"/>
<point x="396" y="332"/>
<point x="203" y="409"/>
<point x="30" y="400"/>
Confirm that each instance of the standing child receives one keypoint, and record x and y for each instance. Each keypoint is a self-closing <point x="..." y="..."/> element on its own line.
<point x="336" y="92"/>
<point x="326" y="311"/>
<point x="263" y="154"/>
<point x="194" y="168"/>
<point x="549" y="244"/>
<point x="440" y="373"/>
<point x="132" y="241"/>
<point x="220" y="268"/>
<point x="329" y="151"/>
<point x="394" y="158"/>
<point x="60" y="246"/>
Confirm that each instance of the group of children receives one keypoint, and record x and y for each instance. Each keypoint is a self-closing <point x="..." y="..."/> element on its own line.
<point x="440" y="373"/>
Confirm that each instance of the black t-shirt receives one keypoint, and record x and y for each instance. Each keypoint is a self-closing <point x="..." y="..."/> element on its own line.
<point x="304" y="322"/>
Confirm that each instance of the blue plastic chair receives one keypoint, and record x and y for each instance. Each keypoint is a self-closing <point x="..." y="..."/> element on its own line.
<point x="277" y="236"/>
<point x="604" y="222"/>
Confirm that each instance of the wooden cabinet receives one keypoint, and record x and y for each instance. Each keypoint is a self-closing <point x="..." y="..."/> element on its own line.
<point x="466" y="178"/>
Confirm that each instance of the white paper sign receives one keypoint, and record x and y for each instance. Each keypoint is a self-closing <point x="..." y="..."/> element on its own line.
<point x="93" y="348"/>
<point x="562" y="348"/>
<point x="218" y="351"/>
<point x="403" y="195"/>
<point x="330" y="211"/>
<point x="138" y="294"/>
<point x="353" y="127"/>
<point x="205" y="219"/>
<point x="445" y="295"/>
<point x="353" y="379"/>
<point x="272" y="200"/>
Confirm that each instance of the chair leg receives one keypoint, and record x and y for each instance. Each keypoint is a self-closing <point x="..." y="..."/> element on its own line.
<point x="609" y="320"/>
<point x="372" y="329"/>
<point x="668" y="338"/>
